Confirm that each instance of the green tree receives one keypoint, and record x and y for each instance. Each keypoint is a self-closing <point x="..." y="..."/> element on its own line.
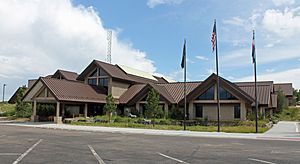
<point x="296" y="94"/>
<point x="281" y="101"/>
<point x="23" y="109"/>
<point x="110" y="106"/>
<point x="176" y="113"/>
<point x="153" y="110"/>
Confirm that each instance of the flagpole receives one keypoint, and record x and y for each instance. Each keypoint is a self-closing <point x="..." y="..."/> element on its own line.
<point x="218" y="83"/>
<point x="184" y="121"/>
<point x="255" y="85"/>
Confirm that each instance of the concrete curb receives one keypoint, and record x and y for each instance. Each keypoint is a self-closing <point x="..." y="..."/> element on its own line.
<point x="154" y="131"/>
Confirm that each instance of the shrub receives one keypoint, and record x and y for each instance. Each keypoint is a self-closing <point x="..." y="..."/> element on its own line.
<point x="7" y="109"/>
<point x="176" y="113"/>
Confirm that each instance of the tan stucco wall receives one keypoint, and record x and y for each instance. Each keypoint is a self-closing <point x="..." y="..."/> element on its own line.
<point x="210" y="111"/>
<point x="117" y="88"/>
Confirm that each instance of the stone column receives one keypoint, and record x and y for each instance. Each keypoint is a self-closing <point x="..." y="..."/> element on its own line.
<point x="58" y="119"/>
<point x="191" y="110"/>
<point x="62" y="109"/>
<point x="85" y="110"/>
<point x="137" y="107"/>
<point x="166" y="109"/>
<point x="34" y="117"/>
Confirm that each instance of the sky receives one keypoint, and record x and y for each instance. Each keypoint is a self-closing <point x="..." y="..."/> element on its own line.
<point x="37" y="37"/>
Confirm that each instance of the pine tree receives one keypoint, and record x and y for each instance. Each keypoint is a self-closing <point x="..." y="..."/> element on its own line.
<point x="22" y="109"/>
<point x="110" y="106"/>
<point x="153" y="110"/>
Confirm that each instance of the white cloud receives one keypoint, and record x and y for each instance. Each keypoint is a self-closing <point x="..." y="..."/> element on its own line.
<point x="283" y="2"/>
<point x="153" y="3"/>
<point x="270" y="70"/>
<point x="237" y="21"/>
<point x="287" y="76"/>
<point x="202" y="58"/>
<point x="190" y="61"/>
<point x="263" y="56"/>
<point x="38" y="37"/>
<point x="283" y="23"/>
<point x="269" y="45"/>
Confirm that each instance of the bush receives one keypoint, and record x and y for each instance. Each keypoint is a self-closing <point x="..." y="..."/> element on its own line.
<point x="176" y="113"/>
<point x="23" y="109"/>
<point x="7" y="109"/>
<point x="45" y="110"/>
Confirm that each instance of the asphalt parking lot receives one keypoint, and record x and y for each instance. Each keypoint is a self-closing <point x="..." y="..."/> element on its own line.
<point x="35" y="145"/>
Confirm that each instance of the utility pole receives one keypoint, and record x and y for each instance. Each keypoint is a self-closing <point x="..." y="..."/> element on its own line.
<point x="4" y="85"/>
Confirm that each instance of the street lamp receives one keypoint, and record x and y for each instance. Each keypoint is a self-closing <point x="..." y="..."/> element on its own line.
<point x="4" y="85"/>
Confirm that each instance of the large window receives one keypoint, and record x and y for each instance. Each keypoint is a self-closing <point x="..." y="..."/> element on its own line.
<point x="99" y="77"/>
<point x="208" y="94"/>
<point x="237" y="111"/>
<point x="92" y="81"/>
<point x="225" y="95"/>
<point x="103" y="82"/>
<point x="94" y="74"/>
<point x="102" y="72"/>
<point x="199" y="110"/>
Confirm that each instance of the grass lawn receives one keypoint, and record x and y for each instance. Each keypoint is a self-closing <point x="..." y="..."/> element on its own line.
<point x="7" y="109"/>
<point x="229" y="129"/>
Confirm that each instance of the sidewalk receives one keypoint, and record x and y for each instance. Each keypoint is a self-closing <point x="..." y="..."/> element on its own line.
<point x="276" y="133"/>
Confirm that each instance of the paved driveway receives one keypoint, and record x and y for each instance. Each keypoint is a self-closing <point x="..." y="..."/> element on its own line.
<point x="35" y="145"/>
<point x="284" y="129"/>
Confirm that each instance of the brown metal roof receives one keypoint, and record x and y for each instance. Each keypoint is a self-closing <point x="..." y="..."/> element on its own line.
<point x="68" y="75"/>
<point x="139" y="79"/>
<point x="264" y="90"/>
<point x="161" y="80"/>
<point x="112" y="70"/>
<point x="287" y="88"/>
<point x="130" y="93"/>
<point x="176" y="90"/>
<point x="64" y="90"/>
<point x="164" y="92"/>
<point x="210" y="81"/>
<point x="116" y="72"/>
<point x="13" y="98"/>
<point x="138" y="91"/>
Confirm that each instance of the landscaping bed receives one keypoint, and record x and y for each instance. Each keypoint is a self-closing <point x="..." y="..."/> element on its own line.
<point x="169" y="124"/>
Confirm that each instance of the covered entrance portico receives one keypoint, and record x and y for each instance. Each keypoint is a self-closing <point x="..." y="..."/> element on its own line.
<point x="62" y="110"/>
<point x="64" y="95"/>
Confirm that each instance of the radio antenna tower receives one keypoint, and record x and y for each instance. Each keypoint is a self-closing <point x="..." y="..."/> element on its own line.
<point x="109" y="38"/>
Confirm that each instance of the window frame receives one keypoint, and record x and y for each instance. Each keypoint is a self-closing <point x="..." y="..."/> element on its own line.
<point x="196" y="109"/>
<point x="237" y="114"/>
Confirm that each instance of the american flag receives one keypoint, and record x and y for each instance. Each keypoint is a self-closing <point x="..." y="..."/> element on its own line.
<point x="253" y="48"/>
<point x="214" y="37"/>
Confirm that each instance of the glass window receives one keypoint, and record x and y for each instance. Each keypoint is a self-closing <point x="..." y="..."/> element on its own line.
<point x="237" y="111"/>
<point x="199" y="110"/>
<point x="103" y="82"/>
<point x="102" y="72"/>
<point x="94" y="73"/>
<point x="208" y="95"/>
<point x="92" y="81"/>
<point x="225" y="95"/>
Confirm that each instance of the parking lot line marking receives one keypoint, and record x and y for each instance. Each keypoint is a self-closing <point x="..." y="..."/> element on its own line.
<point x="262" y="161"/>
<point x="175" y="159"/>
<point x="96" y="155"/>
<point x="10" y="154"/>
<point x="27" y="152"/>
